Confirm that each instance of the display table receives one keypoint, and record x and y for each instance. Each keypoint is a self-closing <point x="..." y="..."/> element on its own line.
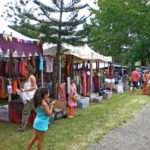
<point x="15" y="108"/>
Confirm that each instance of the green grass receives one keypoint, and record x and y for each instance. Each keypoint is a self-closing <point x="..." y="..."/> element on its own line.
<point x="89" y="125"/>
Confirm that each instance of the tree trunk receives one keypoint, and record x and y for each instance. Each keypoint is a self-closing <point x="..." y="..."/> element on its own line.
<point x="57" y="61"/>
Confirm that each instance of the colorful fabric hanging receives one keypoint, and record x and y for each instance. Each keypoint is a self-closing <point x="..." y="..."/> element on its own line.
<point x="41" y="65"/>
<point x="68" y="63"/>
<point x="96" y="82"/>
<point x="83" y="78"/>
<point x="23" y="68"/>
<point x="62" y="92"/>
<point x="14" y="86"/>
<point x="1" y="88"/>
<point x="49" y="64"/>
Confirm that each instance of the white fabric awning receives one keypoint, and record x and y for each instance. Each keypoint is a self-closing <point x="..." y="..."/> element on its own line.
<point x="5" y="30"/>
<point x="86" y="53"/>
<point x="81" y="52"/>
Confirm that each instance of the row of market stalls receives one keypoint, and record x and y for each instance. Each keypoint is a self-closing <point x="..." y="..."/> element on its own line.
<point x="17" y="51"/>
<point x="81" y="64"/>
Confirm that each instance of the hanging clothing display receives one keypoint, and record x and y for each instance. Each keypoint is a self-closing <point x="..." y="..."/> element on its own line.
<point x="96" y="82"/>
<point x="83" y="78"/>
<point x="23" y="68"/>
<point x="1" y="88"/>
<point x="68" y="63"/>
<point x="49" y="64"/>
<point x="41" y="65"/>
<point x="14" y="86"/>
<point x="61" y="92"/>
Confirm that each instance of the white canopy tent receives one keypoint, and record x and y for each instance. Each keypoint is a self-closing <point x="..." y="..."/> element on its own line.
<point x="86" y="53"/>
<point x="17" y="44"/>
<point x="5" y="30"/>
<point x="81" y="52"/>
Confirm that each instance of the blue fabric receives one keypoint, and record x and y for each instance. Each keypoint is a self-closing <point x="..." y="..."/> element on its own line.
<point x="41" y="120"/>
<point x="41" y="66"/>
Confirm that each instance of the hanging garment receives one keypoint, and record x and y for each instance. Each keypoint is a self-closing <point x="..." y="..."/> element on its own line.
<point x="68" y="63"/>
<point x="7" y="69"/>
<point x="23" y="67"/>
<point x="72" y="95"/>
<point x="96" y="82"/>
<point x="17" y="68"/>
<point x="1" y="88"/>
<point x="49" y="64"/>
<point x="41" y="65"/>
<point x="37" y="62"/>
<point x="62" y="92"/>
<point x="14" y="86"/>
<point x="83" y="78"/>
<point x="88" y="81"/>
<point x="2" y="68"/>
<point x="5" y="87"/>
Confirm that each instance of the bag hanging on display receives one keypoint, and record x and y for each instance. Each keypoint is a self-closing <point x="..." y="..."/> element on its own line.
<point x="74" y="98"/>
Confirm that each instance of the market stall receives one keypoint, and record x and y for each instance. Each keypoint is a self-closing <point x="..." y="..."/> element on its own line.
<point x="79" y="62"/>
<point x="85" y="58"/>
<point x="16" y="51"/>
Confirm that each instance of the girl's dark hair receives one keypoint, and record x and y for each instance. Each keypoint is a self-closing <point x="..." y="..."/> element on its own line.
<point x="39" y="95"/>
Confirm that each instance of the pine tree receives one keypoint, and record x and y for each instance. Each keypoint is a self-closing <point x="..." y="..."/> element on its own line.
<point x="48" y="22"/>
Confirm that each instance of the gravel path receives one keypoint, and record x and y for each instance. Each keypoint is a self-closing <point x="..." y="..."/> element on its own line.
<point x="134" y="135"/>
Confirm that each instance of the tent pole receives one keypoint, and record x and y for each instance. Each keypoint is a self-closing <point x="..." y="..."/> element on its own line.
<point x="91" y="79"/>
<point x="42" y="80"/>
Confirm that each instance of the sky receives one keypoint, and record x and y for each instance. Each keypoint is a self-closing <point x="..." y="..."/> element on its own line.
<point x="4" y="2"/>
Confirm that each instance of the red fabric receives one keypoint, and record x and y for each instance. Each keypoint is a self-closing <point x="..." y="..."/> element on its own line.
<point x="71" y="111"/>
<point x="15" y="112"/>
<point x="83" y="78"/>
<point x="135" y="76"/>
<point x="31" y="118"/>
<point x="1" y="89"/>
<point x="145" y="88"/>
<point x="23" y="68"/>
<point x="68" y="62"/>
<point x="96" y="81"/>
<point x="14" y="86"/>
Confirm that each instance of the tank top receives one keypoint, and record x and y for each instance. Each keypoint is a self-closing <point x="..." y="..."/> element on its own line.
<point x="28" y="95"/>
<point x="41" y="120"/>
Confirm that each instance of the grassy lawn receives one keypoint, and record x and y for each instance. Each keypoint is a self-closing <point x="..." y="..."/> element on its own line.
<point x="89" y="125"/>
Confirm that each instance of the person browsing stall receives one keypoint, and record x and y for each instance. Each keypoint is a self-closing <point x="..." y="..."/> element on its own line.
<point x="27" y="90"/>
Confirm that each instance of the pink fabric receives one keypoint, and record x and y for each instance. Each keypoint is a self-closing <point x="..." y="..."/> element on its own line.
<point x="135" y="76"/>
<point x="73" y="92"/>
<point x="62" y="92"/>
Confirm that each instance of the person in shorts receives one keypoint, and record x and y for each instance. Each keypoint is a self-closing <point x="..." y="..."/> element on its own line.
<point x="135" y="79"/>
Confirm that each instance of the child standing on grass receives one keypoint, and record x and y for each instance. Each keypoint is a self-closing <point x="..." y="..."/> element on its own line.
<point x="43" y="112"/>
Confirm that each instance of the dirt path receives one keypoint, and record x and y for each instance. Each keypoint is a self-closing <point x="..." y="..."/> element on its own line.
<point x="134" y="135"/>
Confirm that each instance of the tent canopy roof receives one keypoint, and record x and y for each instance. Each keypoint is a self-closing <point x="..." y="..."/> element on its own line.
<point x="5" y="30"/>
<point x="81" y="52"/>
<point x="17" y="45"/>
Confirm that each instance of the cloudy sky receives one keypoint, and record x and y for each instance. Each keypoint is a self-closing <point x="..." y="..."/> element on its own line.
<point x="3" y="2"/>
